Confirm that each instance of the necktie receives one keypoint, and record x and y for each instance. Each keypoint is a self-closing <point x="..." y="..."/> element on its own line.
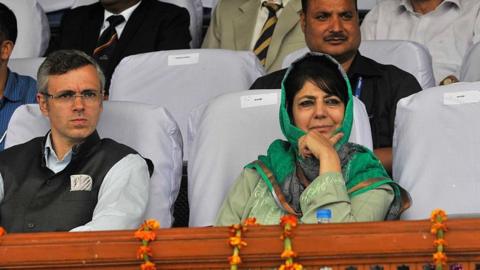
<point x="107" y="41"/>
<point x="263" y="42"/>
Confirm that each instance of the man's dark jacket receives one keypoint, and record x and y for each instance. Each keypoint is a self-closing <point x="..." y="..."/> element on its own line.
<point x="153" y="26"/>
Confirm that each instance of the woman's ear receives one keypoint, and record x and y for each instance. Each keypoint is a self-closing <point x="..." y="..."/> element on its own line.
<point x="6" y="49"/>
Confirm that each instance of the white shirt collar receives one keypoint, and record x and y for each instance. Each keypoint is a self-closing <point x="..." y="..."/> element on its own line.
<point x="51" y="160"/>
<point x="126" y="13"/>
<point x="278" y="2"/>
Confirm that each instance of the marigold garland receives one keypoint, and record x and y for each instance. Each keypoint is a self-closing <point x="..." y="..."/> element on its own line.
<point x="439" y="228"/>
<point x="288" y="222"/>
<point x="235" y="240"/>
<point x="146" y="234"/>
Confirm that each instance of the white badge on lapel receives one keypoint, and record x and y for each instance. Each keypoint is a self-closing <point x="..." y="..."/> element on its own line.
<point x="80" y="182"/>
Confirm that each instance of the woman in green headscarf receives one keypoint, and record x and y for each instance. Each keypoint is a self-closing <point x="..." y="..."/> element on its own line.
<point x="316" y="167"/>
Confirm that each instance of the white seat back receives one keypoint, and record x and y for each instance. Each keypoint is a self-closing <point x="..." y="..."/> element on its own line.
<point x="367" y="4"/>
<point x="33" y="29"/>
<point x="55" y="5"/>
<point x="226" y="134"/>
<point x="435" y="149"/>
<point x="409" y="56"/>
<point x="182" y="79"/>
<point x="470" y="69"/>
<point x="26" y="66"/>
<point x="148" y="129"/>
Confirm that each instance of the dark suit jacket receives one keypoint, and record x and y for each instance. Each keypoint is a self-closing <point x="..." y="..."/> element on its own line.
<point x="153" y="26"/>
<point x="382" y="87"/>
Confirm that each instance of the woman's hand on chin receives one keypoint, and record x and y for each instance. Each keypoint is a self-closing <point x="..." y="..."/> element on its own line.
<point x="321" y="147"/>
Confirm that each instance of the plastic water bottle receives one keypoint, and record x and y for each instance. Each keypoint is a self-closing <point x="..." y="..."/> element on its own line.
<point x="324" y="215"/>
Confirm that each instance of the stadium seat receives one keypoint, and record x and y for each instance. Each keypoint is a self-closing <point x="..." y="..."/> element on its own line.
<point x="435" y="149"/>
<point x="230" y="132"/>
<point x="26" y="66"/>
<point x="148" y="129"/>
<point x="182" y="79"/>
<point x="407" y="55"/>
<point x="33" y="28"/>
<point x="470" y="69"/>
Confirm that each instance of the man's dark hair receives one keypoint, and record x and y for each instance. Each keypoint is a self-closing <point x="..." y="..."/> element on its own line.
<point x="305" y="5"/>
<point x="63" y="61"/>
<point x="8" y="24"/>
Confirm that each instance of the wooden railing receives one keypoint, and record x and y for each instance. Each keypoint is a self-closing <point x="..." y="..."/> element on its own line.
<point x="364" y="246"/>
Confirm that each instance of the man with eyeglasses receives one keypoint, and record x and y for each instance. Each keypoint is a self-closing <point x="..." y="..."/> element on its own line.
<point x="71" y="180"/>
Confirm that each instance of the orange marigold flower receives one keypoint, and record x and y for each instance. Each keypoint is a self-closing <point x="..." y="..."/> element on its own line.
<point x="148" y="266"/>
<point x="438" y="213"/>
<point x="2" y="231"/>
<point x="250" y="221"/>
<point x="288" y="254"/>
<point x="152" y="224"/>
<point x="439" y="242"/>
<point x="145" y="235"/>
<point x="438" y="226"/>
<point x="289" y="219"/>
<point x="440" y="258"/>
<point x="234" y="228"/>
<point x="291" y="266"/>
<point x="234" y="260"/>
<point x="236" y="241"/>
<point x="142" y="251"/>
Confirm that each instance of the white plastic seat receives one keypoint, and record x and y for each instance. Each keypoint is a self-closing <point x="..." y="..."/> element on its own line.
<point x="26" y="66"/>
<point x="409" y="56"/>
<point x="435" y="149"/>
<point x="33" y="29"/>
<point x="148" y="129"/>
<point x="228" y="133"/>
<point x="470" y="69"/>
<point x="182" y="79"/>
<point x="55" y="5"/>
<point x="367" y="4"/>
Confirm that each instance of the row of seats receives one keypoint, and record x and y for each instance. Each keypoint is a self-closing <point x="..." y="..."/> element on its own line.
<point x="435" y="160"/>
<point x="180" y="80"/>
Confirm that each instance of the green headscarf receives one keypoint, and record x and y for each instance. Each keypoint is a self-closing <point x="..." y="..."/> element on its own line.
<point x="281" y="156"/>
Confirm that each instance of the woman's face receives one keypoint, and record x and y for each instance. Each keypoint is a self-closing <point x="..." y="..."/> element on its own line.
<point x="314" y="109"/>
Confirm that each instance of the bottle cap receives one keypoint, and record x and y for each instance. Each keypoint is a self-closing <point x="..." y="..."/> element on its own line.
<point x="324" y="213"/>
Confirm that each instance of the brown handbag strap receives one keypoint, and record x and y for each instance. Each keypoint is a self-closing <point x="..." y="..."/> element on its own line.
<point x="277" y="191"/>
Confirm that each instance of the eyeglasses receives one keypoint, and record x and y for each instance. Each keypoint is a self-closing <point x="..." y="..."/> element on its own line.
<point x="68" y="96"/>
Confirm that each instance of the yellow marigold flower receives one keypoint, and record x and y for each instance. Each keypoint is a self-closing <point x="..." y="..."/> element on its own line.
<point x="440" y="258"/>
<point x="152" y="224"/>
<point x="148" y="266"/>
<point x="439" y="242"/>
<point x="142" y="251"/>
<point x="237" y="241"/>
<point x="291" y="266"/>
<point x="438" y="213"/>
<point x="289" y="219"/>
<point x="145" y="235"/>
<point x="234" y="260"/>
<point x="438" y="226"/>
<point x="250" y="221"/>
<point x="288" y="254"/>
